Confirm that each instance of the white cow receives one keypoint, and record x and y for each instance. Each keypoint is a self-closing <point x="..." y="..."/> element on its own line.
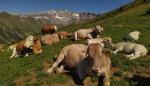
<point x="133" y="36"/>
<point x="134" y="50"/>
<point x="88" y="33"/>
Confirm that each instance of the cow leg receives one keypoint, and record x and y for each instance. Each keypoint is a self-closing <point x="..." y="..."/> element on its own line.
<point x="128" y="56"/>
<point x="116" y="51"/>
<point x="107" y="78"/>
<point x="26" y="55"/>
<point x="135" y="56"/>
<point x="56" y="63"/>
<point x="61" y="69"/>
<point x="13" y="54"/>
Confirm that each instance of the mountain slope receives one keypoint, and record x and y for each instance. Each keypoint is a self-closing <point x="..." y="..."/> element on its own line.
<point x="30" y="71"/>
<point x="14" y="28"/>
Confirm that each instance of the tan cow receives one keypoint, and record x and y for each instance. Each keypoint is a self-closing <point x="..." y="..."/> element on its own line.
<point x="50" y="39"/>
<point x="88" y="33"/>
<point x="75" y="56"/>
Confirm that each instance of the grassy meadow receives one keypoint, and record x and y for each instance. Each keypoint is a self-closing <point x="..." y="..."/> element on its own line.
<point x="31" y="71"/>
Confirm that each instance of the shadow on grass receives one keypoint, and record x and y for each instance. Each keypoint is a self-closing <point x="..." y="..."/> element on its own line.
<point x="140" y="81"/>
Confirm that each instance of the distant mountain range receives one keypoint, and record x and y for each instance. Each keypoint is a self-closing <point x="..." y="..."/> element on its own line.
<point x="61" y="17"/>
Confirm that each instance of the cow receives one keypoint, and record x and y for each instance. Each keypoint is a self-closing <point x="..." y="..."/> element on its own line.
<point x="63" y="34"/>
<point x="48" y="29"/>
<point x="133" y="36"/>
<point x="88" y="33"/>
<point x="22" y="48"/>
<point x="76" y="57"/>
<point x="133" y="49"/>
<point x="50" y="39"/>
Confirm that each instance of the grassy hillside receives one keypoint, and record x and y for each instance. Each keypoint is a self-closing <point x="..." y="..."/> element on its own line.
<point x="14" y="28"/>
<point x="30" y="71"/>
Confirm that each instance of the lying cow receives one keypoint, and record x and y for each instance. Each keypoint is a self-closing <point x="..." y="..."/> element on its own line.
<point x="22" y="47"/>
<point x="134" y="50"/>
<point x="50" y="39"/>
<point x="88" y="33"/>
<point x="75" y="56"/>
<point x="133" y="36"/>
<point x="48" y="29"/>
<point x="63" y="34"/>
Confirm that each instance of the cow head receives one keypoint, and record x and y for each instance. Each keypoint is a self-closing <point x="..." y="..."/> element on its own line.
<point x="29" y="41"/>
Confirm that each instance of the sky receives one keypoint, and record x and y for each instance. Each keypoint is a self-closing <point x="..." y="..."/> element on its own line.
<point x="33" y="6"/>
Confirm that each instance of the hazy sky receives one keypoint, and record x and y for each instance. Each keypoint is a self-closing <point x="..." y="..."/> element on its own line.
<point x="29" y="6"/>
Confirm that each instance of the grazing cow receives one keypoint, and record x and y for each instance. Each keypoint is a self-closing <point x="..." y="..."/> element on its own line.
<point x="105" y="41"/>
<point x="134" y="50"/>
<point x="99" y="62"/>
<point x="22" y="48"/>
<point x="37" y="48"/>
<point x="133" y="36"/>
<point x="48" y="29"/>
<point x="88" y="33"/>
<point x="63" y="34"/>
<point x="50" y="39"/>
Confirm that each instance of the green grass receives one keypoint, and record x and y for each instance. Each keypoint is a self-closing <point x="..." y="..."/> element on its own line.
<point x="116" y="27"/>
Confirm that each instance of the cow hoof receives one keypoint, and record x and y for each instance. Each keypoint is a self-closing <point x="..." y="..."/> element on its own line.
<point x="50" y="70"/>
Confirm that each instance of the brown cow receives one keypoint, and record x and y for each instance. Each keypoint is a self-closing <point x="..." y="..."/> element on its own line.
<point x="63" y="34"/>
<point x="22" y="48"/>
<point x="49" y="28"/>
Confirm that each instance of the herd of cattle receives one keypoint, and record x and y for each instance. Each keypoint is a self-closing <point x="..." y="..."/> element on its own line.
<point x="86" y="59"/>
